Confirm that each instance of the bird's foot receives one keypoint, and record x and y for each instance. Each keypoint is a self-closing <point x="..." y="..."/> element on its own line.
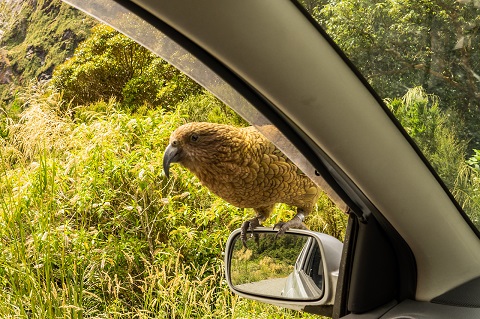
<point x="295" y="222"/>
<point x="249" y="225"/>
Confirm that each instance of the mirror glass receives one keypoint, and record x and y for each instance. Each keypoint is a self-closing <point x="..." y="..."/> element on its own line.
<point x="288" y="266"/>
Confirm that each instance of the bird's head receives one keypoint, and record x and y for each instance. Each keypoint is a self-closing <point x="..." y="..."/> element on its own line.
<point x="195" y="145"/>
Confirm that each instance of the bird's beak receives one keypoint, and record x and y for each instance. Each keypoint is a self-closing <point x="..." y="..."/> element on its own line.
<point x="171" y="155"/>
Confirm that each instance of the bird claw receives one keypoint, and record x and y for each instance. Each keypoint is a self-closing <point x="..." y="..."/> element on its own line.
<point x="279" y="225"/>
<point x="284" y="226"/>
<point x="249" y="225"/>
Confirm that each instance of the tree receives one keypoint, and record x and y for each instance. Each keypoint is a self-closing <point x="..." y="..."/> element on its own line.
<point x="109" y="64"/>
<point x="403" y="44"/>
<point x="435" y="133"/>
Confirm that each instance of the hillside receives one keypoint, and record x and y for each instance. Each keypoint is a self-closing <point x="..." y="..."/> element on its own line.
<point x="36" y="36"/>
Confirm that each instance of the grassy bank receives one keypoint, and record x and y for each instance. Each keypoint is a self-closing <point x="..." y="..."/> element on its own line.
<point x="91" y="228"/>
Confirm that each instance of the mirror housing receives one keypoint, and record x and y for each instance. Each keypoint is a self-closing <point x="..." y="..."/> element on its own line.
<point x="297" y="270"/>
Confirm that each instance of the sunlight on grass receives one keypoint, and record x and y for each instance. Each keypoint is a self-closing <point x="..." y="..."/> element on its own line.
<point x="91" y="228"/>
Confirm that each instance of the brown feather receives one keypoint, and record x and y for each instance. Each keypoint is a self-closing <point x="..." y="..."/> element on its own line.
<point x="244" y="168"/>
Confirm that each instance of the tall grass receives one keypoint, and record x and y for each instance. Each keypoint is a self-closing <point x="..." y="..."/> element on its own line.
<point x="91" y="228"/>
<point x="436" y="132"/>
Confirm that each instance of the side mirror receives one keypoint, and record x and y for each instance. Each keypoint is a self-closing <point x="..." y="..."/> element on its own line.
<point x="296" y="270"/>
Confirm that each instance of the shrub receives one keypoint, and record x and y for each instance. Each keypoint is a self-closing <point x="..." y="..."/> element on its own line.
<point x="111" y="65"/>
<point x="436" y="134"/>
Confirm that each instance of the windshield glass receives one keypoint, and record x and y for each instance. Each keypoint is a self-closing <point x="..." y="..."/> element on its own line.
<point x="423" y="59"/>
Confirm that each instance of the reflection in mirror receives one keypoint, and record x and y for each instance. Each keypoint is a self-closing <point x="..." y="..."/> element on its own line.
<point x="287" y="266"/>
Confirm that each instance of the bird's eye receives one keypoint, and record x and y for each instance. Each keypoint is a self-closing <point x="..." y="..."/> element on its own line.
<point x="194" y="137"/>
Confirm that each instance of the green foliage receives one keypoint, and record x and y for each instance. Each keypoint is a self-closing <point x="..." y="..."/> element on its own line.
<point x="403" y="44"/>
<point x="207" y="108"/>
<point x="110" y="65"/>
<point x="416" y="42"/>
<point x="474" y="160"/>
<point x="435" y="133"/>
<point x="92" y="228"/>
<point x="432" y="130"/>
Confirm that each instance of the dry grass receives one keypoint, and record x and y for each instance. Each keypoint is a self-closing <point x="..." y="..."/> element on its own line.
<point x="40" y="127"/>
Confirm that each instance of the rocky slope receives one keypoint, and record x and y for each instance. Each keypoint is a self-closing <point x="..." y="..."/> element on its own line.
<point x="35" y="36"/>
